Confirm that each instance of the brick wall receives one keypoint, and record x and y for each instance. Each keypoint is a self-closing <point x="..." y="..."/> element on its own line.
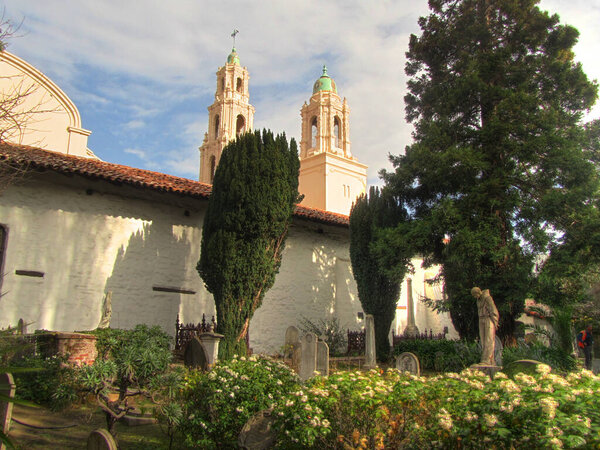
<point x="80" y="348"/>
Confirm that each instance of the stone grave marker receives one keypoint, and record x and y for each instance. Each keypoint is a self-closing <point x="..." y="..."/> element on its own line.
<point x="296" y="356"/>
<point x="21" y="327"/>
<point x="194" y="355"/>
<point x="7" y="387"/>
<point x="101" y="439"/>
<point x="323" y="358"/>
<point x="258" y="433"/>
<point x="408" y="362"/>
<point x="308" y="358"/>
<point x="291" y="338"/>
<point x="370" y="360"/>
<point x="498" y="347"/>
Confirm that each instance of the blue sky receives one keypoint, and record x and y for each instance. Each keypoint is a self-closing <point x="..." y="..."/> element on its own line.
<point x="142" y="73"/>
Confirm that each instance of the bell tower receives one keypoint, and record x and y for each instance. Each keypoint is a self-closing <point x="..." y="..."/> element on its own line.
<point x="330" y="177"/>
<point x="230" y="115"/>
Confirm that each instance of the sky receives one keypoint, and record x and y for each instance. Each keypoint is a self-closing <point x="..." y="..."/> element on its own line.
<point x="142" y="72"/>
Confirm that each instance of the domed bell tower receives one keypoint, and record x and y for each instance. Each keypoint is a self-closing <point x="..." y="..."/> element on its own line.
<point x="330" y="177"/>
<point x="230" y="115"/>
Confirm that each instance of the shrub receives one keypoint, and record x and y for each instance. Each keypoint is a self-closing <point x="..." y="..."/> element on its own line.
<point x="53" y="385"/>
<point x="466" y="410"/>
<point x="217" y="404"/>
<point x="328" y="330"/>
<point x="441" y="355"/>
<point x="555" y="357"/>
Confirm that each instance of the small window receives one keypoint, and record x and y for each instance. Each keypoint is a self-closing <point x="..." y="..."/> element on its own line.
<point x="222" y="84"/>
<point x="216" y="126"/>
<point x="337" y="132"/>
<point x="313" y="132"/>
<point x="239" y="85"/>
<point x="213" y="166"/>
<point x="240" y="125"/>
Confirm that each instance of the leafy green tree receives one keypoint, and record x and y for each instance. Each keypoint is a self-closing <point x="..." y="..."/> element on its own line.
<point x="378" y="288"/>
<point x="496" y="173"/>
<point x="255" y="192"/>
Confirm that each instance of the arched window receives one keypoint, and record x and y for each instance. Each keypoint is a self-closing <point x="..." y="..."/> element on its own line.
<point x="222" y="84"/>
<point x="313" y="132"/>
<point x="240" y="125"/>
<point x="213" y="165"/>
<point x="216" y="126"/>
<point x="337" y="132"/>
<point x="238" y="85"/>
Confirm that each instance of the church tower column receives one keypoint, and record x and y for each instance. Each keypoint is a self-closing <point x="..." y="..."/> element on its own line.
<point x="330" y="177"/>
<point x="230" y="114"/>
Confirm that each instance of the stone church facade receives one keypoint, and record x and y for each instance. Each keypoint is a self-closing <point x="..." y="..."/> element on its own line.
<point x="74" y="227"/>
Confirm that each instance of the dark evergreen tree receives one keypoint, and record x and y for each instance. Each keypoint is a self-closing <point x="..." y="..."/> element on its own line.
<point x="496" y="169"/>
<point x="378" y="288"/>
<point x="254" y="194"/>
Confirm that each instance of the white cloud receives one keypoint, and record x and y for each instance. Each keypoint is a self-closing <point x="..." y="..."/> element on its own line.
<point x="137" y="152"/>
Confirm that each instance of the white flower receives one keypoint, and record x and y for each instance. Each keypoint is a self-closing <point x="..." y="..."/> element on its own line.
<point x="490" y="419"/>
<point x="240" y="409"/>
<point x="500" y="376"/>
<point x="289" y="403"/>
<point x="470" y="416"/>
<point x="325" y="423"/>
<point x="231" y="394"/>
<point x="444" y="419"/>
<point x="549" y="406"/>
<point x="543" y="368"/>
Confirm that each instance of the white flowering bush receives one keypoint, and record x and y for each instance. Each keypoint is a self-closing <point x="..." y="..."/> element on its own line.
<point x="218" y="403"/>
<point x="455" y="410"/>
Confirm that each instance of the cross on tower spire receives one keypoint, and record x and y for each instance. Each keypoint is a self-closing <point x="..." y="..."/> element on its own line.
<point x="235" y="32"/>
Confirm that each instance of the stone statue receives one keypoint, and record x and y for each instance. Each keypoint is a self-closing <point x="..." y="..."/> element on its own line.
<point x="488" y="324"/>
<point x="106" y="311"/>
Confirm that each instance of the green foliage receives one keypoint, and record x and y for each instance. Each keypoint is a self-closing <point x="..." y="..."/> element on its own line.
<point x="499" y="169"/>
<point x="378" y="289"/>
<point x="53" y="384"/>
<point x="328" y="330"/>
<point x="441" y="355"/>
<point x="554" y="356"/>
<point x="254" y="195"/>
<point x="450" y="411"/>
<point x="217" y="404"/>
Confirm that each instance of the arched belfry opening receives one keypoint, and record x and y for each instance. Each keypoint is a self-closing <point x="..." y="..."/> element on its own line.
<point x="337" y="132"/>
<point x="239" y="85"/>
<point x="314" y="130"/>
<point x="240" y="125"/>
<point x="217" y="123"/>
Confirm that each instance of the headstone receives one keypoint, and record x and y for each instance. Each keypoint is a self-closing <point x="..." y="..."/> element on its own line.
<point x="296" y="356"/>
<point x="370" y="360"/>
<point x="101" y="439"/>
<point x="527" y="366"/>
<point x="291" y="337"/>
<point x="323" y="358"/>
<point x="210" y="342"/>
<point x="7" y="387"/>
<point x="258" y="433"/>
<point x="308" y="358"/>
<point x="408" y="362"/>
<point x="194" y="355"/>
<point x="21" y="327"/>
<point x="498" y="348"/>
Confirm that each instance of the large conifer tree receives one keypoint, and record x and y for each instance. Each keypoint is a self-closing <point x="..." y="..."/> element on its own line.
<point x="378" y="287"/>
<point x="255" y="192"/>
<point x="497" y="164"/>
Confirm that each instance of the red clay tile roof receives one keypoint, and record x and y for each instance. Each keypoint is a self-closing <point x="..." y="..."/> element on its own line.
<point x="95" y="169"/>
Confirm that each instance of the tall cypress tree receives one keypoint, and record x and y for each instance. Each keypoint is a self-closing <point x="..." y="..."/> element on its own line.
<point x="496" y="165"/>
<point x="378" y="288"/>
<point x="254" y="194"/>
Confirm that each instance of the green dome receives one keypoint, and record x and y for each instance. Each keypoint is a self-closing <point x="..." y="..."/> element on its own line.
<point x="324" y="83"/>
<point x="233" y="57"/>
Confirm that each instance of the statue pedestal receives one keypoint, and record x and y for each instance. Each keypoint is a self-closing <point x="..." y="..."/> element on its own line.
<point x="488" y="369"/>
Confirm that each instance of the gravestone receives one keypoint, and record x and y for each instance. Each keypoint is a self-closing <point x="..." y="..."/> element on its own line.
<point x="408" y="362"/>
<point x="258" y="433"/>
<point x="323" y="358"/>
<point x="194" y="355"/>
<point x="296" y="356"/>
<point x="308" y="358"/>
<point x="101" y="439"/>
<point x="210" y="343"/>
<point x="498" y="347"/>
<point x="21" y="327"/>
<point x="370" y="360"/>
<point x="7" y="387"/>
<point x="526" y="366"/>
<point x="291" y="337"/>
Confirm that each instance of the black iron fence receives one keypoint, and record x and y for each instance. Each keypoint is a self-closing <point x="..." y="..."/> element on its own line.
<point x="356" y="339"/>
